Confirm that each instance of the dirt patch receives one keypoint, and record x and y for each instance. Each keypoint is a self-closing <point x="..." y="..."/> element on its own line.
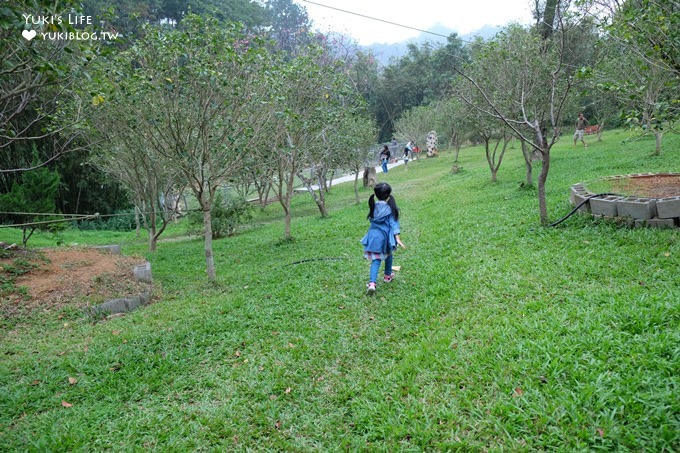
<point x="77" y="277"/>
<point x="653" y="186"/>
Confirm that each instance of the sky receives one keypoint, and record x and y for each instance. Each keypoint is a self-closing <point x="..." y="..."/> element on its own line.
<point x="463" y="16"/>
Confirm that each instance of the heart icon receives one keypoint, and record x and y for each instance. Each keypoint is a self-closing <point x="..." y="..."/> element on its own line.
<point x="28" y="34"/>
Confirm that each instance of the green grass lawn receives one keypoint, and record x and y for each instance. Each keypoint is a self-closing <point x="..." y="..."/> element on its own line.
<point x="496" y="335"/>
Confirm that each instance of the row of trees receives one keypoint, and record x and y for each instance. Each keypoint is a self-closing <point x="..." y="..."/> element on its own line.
<point x="192" y="103"/>
<point x="615" y="60"/>
<point x="39" y="77"/>
<point x="202" y="105"/>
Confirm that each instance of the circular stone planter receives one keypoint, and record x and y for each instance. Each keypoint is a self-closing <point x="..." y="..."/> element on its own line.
<point x="635" y="206"/>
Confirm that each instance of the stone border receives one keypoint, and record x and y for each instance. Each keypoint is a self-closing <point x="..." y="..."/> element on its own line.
<point x="630" y="210"/>
<point x="142" y="273"/>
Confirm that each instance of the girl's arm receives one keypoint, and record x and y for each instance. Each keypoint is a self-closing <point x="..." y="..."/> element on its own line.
<point x="398" y="239"/>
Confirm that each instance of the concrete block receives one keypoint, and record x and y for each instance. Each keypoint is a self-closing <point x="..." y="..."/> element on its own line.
<point x="576" y="197"/>
<point x="112" y="249"/>
<point x="142" y="273"/>
<point x="668" y="208"/>
<point x="123" y="304"/>
<point x="637" y="208"/>
<point x="625" y="221"/>
<point x="604" y="206"/>
<point x="656" y="223"/>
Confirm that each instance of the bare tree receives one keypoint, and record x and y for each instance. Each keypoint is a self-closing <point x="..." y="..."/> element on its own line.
<point x="531" y="91"/>
<point x="155" y="187"/>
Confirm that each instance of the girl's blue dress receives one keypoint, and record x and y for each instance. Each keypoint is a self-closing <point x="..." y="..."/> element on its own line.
<point x="379" y="241"/>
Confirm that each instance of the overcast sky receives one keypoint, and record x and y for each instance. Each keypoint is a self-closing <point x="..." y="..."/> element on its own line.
<point x="463" y="16"/>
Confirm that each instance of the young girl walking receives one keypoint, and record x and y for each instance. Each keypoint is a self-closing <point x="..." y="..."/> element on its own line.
<point x="383" y="234"/>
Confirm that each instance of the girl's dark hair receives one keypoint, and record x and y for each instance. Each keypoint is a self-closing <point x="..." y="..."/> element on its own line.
<point x="382" y="190"/>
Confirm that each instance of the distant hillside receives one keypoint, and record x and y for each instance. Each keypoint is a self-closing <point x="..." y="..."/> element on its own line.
<point x="385" y="52"/>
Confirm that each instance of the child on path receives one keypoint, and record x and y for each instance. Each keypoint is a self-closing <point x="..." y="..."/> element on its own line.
<point x="383" y="234"/>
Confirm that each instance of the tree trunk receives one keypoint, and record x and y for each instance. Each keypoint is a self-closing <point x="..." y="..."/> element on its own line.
<point x="285" y="200"/>
<point x="322" y="197"/>
<point x="286" y="229"/>
<point x="318" y="199"/>
<point x="152" y="229"/>
<point x="153" y="240"/>
<point x="494" y="158"/>
<point x="209" y="258"/>
<point x="542" y="178"/>
<point x="330" y="181"/>
<point x="356" y="186"/>
<point x="549" y="14"/>
<point x="138" y="225"/>
<point x="527" y="153"/>
<point x="658" y="136"/>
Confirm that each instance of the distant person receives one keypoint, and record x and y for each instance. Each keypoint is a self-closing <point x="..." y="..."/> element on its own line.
<point x="407" y="153"/>
<point x="581" y="124"/>
<point x="408" y="148"/>
<point x="382" y="237"/>
<point x="385" y="157"/>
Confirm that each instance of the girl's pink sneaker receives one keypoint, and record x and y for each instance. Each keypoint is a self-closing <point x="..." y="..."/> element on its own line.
<point x="388" y="278"/>
<point x="370" y="290"/>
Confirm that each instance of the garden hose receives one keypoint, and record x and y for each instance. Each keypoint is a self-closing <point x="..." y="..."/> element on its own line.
<point x="573" y="211"/>
<point x="317" y="259"/>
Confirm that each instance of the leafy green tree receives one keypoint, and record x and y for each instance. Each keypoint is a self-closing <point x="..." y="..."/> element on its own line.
<point x="644" y="65"/>
<point x="422" y="76"/>
<point x="453" y="123"/>
<point x="244" y="11"/>
<point x="315" y="105"/>
<point x="123" y="151"/>
<point x="126" y="17"/>
<point x="84" y="189"/>
<point x="402" y="86"/>
<point x="649" y="29"/>
<point x="35" y="77"/>
<point x="359" y="135"/>
<point x="440" y="71"/>
<point x="290" y="25"/>
<point x="202" y="104"/>
<point x="415" y="124"/>
<point x="31" y="201"/>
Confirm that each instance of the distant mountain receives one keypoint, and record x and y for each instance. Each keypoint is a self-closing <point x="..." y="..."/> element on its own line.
<point x="386" y="52"/>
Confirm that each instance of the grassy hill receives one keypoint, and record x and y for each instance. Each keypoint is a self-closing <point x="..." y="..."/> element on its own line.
<point x="497" y="333"/>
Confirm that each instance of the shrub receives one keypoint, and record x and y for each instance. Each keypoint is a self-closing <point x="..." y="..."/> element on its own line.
<point x="120" y="221"/>
<point x="227" y="214"/>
